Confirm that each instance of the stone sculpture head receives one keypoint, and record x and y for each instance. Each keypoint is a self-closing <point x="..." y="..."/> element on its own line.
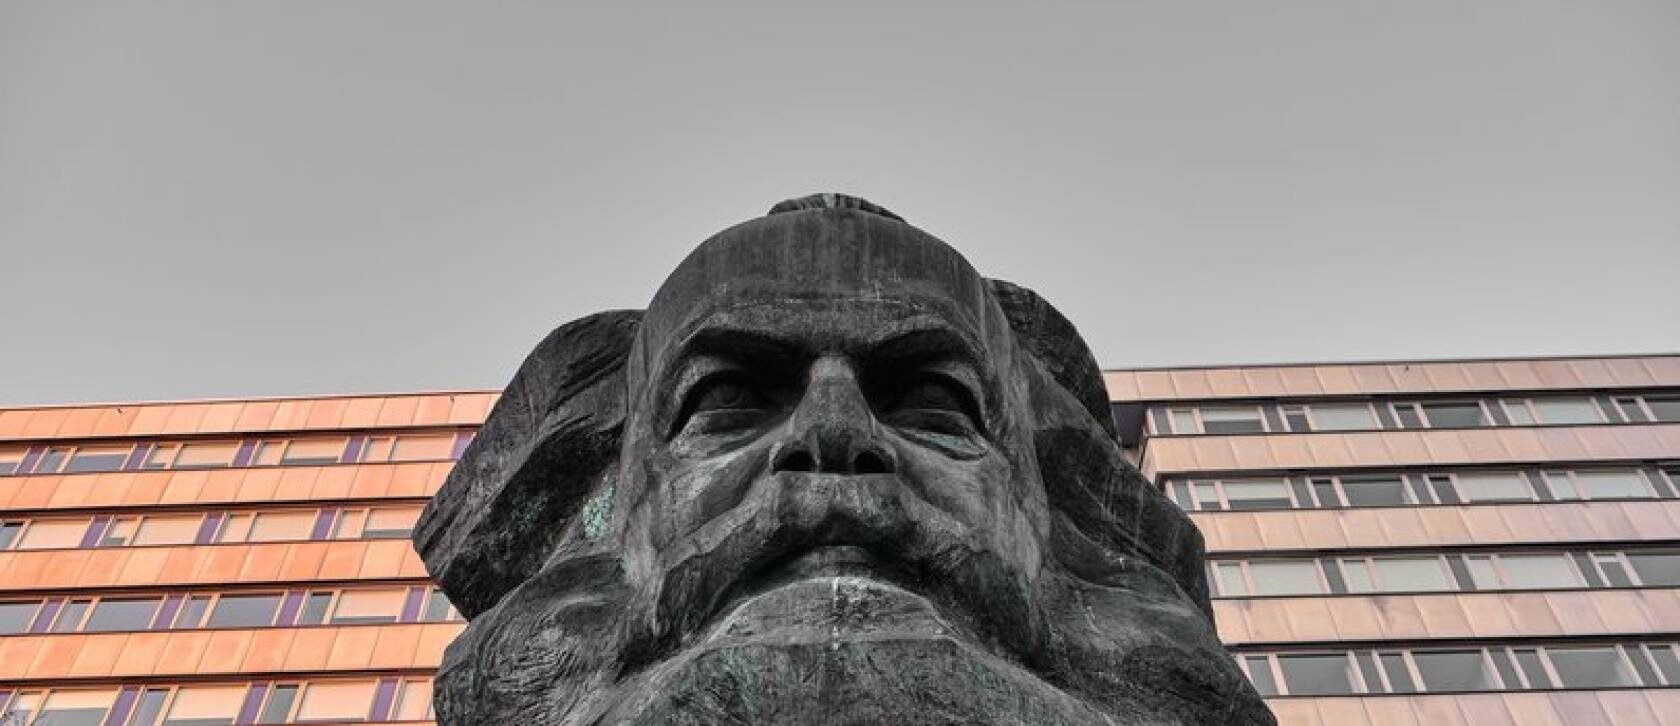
<point x="830" y="475"/>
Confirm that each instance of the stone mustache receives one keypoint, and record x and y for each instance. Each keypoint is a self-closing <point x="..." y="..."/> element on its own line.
<point x="831" y="475"/>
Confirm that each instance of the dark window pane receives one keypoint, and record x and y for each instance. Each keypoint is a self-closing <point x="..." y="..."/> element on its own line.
<point x="150" y="706"/>
<point x="112" y="615"/>
<point x="1368" y="670"/>
<point x="71" y="616"/>
<point x="1630" y="409"/>
<point x="315" y="608"/>
<point x="1444" y="491"/>
<point x="51" y="461"/>
<point x="1326" y="491"/>
<point x="15" y="616"/>
<point x="1614" y="573"/>
<point x="1399" y="678"/>
<point x="1585" y="565"/>
<point x="279" y="705"/>
<point x="8" y="533"/>
<point x="1385" y="491"/>
<point x="1257" y="494"/>
<point x="1529" y="660"/>
<point x="1593" y="667"/>
<point x="89" y="459"/>
<point x="1656" y="568"/>
<point x="1181" y="495"/>
<point x="1453" y="415"/>
<point x="192" y="613"/>
<point x="1260" y="674"/>
<point x="1408" y="416"/>
<point x="1667" y="662"/>
<point x="1241" y="420"/>
<point x="1666" y="408"/>
<point x="1454" y="670"/>
<point x="1297" y="420"/>
<point x="1316" y="675"/>
<point x="244" y="611"/>
<point x="438" y="608"/>
<point x="1507" y="672"/>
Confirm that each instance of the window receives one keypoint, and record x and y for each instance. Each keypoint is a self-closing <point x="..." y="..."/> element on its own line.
<point x="205" y="706"/>
<point x="76" y="708"/>
<point x="15" y="617"/>
<point x="279" y="704"/>
<point x="315" y="608"/>
<point x="313" y="452"/>
<point x="1369" y="491"/>
<point x="1591" y="667"/>
<point x="1494" y="486"/>
<point x="122" y="614"/>
<point x="149" y="707"/>
<point x="1183" y="421"/>
<point x="1256" y="494"/>
<point x="1316" y="675"/>
<point x="438" y="608"/>
<point x="1285" y="578"/>
<point x="1411" y="574"/>
<point x="206" y="455"/>
<point x="1453" y="415"/>
<point x="1664" y="408"/>
<point x="1611" y="484"/>
<point x="10" y="459"/>
<point x="1537" y="572"/>
<point x="336" y="701"/>
<point x="423" y="447"/>
<point x="243" y="611"/>
<point x="22" y="707"/>
<point x="168" y="530"/>
<point x="1259" y="669"/>
<point x="283" y="526"/>
<point x="1229" y="578"/>
<point x="1598" y="484"/>
<point x="46" y="534"/>
<point x="70" y="616"/>
<point x="98" y="458"/>
<point x="1454" y="670"/>
<point x="1573" y="410"/>
<point x="51" y="460"/>
<point x="1342" y="417"/>
<point x="1232" y="420"/>
<point x="1657" y="569"/>
<point x="161" y="456"/>
<point x="8" y="533"/>
<point x="369" y="606"/>
<point x="120" y="533"/>
<point x="392" y="523"/>
<point x="414" y="701"/>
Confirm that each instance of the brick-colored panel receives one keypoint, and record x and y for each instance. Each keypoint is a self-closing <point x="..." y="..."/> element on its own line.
<point x="196" y="418"/>
<point x="1473" y="524"/>
<point x="224" y="652"/>
<point x="1190" y="384"/>
<point x="1192" y="454"/>
<point x="222" y="486"/>
<point x="1630" y="707"/>
<point x="209" y="565"/>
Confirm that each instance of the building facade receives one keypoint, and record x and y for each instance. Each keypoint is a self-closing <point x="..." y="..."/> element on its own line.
<point x="1433" y="543"/>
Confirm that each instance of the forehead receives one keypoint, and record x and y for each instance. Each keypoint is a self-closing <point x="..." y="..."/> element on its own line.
<point x="826" y="278"/>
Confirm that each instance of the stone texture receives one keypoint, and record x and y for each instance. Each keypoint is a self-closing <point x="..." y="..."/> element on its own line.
<point x="830" y="476"/>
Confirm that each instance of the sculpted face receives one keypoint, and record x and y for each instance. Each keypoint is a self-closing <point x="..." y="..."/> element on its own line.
<point x="824" y="504"/>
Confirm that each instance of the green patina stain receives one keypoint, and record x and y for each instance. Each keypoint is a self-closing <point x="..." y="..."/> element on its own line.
<point x="597" y="512"/>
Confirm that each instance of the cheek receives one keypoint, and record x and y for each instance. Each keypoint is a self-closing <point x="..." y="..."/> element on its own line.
<point x="976" y="492"/>
<point x="695" y="490"/>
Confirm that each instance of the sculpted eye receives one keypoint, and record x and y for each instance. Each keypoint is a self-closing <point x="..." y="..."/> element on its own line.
<point x="934" y="403"/>
<point x="723" y="402"/>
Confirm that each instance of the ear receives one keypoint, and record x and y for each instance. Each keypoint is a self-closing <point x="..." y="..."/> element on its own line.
<point x="543" y="450"/>
<point x="1102" y="506"/>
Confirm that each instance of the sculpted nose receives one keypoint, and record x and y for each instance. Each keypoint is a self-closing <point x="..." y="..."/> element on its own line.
<point x="833" y="430"/>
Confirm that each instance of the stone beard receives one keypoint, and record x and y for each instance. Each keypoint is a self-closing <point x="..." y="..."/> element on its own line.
<point x="831" y="475"/>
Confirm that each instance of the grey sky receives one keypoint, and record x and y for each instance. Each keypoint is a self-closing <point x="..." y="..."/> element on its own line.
<point x="224" y="198"/>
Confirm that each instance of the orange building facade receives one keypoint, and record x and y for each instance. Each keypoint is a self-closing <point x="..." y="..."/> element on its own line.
<point x="1434" y="543"/>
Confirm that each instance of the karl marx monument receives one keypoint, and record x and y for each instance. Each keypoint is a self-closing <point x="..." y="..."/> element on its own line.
<point x="831" y="475"/>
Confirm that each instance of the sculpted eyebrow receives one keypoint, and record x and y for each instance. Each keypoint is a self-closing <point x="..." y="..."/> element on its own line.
<point x="923" y="346"/>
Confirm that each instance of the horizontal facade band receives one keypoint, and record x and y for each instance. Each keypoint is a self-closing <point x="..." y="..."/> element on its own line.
<point x="280" y="562"/>
<point x="1189" y="455"/>
<point x="222" y="486"/>
<point x="271" y="651"/>
<point x="360" y="699"/>
<point x="1626" y="707"/>
<point x="1424" y="377"/>
<point x="235" y="417"/>
<point x="1450" y="616"/>
<point x="1465" y="525"/>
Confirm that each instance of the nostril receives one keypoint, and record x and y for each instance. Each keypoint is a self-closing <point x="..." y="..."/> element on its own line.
<point x="796" y="461"/>
<point x="870" y="462"/>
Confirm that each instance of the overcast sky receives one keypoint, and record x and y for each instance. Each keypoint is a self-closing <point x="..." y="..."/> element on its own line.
<point x="231" y="198"/>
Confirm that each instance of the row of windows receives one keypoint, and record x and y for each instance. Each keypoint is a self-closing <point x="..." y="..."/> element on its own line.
<point x="1470" y="486"/>
<point x="296" y="451"/>
<point x="218" y="527"/>
<point x="1454" y="670"/>
<point x="1528" y="570"/>
<point x="268" y="702"/>
<point x="241" y="609"/>
<point x="1372" y="415"/>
